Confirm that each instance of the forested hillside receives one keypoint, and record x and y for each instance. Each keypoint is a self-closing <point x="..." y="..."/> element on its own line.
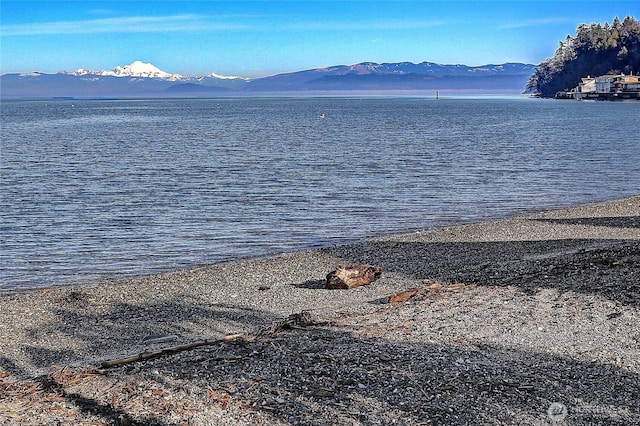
<point x="595" y="50"/>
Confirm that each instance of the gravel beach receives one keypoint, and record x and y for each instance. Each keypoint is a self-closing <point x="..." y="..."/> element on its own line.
<point x="531" y="320"/>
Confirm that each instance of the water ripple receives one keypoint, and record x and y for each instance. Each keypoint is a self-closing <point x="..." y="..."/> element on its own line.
<point x="92" y="189"/>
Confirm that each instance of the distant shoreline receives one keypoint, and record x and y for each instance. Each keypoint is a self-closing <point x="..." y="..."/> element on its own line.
<point x="427" y="94"/>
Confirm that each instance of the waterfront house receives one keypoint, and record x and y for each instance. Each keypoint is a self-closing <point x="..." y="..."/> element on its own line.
<point x="588" y="85"/>
<point x="626" y="83"/>
<point x="604" y="83"/>
<point x="605" y="87"/>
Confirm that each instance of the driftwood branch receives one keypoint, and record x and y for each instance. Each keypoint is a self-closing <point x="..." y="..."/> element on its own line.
<point x="349" y="276"/>
<point x="405" y="295"/>
<point x="167" y="351"/>
<point x="300" y="320"/>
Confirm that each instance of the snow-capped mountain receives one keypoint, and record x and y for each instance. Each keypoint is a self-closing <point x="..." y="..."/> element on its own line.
<point x="136" y="79"/>
<point x="223" y="77"/>
<point x="144" y="79"/>
<point x="147" y="70"/>
<point x="135" y="69"/>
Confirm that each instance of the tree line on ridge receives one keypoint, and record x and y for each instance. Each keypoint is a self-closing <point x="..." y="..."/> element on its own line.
<point x="595" y="50"/>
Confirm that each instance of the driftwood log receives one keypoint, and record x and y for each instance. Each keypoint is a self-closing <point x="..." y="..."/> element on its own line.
<point x="350" y="276"/>
<point x="167" y="351"/>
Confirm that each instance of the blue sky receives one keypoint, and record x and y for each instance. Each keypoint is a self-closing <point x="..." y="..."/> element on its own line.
<point x="253" y="39"/>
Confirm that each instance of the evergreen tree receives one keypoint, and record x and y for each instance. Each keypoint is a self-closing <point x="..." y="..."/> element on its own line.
<point x="594" y="50"/>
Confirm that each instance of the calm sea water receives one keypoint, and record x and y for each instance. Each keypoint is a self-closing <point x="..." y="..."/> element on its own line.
<point x="108" y="188"/>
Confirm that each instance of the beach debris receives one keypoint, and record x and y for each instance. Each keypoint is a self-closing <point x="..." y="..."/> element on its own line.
<point x="404" y="296"/>
<point x="167" y="351"/>
<point x="350" y="276"/>
<point x="431" y="290"/>
<point x="294" y="321"/>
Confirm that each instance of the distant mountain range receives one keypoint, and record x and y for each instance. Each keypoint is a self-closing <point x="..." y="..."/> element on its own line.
<point x="144" y="79"/>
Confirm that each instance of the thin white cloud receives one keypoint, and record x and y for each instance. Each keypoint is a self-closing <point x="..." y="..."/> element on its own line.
<point x="132" y="24"/>
<point x="201" y="23"/>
